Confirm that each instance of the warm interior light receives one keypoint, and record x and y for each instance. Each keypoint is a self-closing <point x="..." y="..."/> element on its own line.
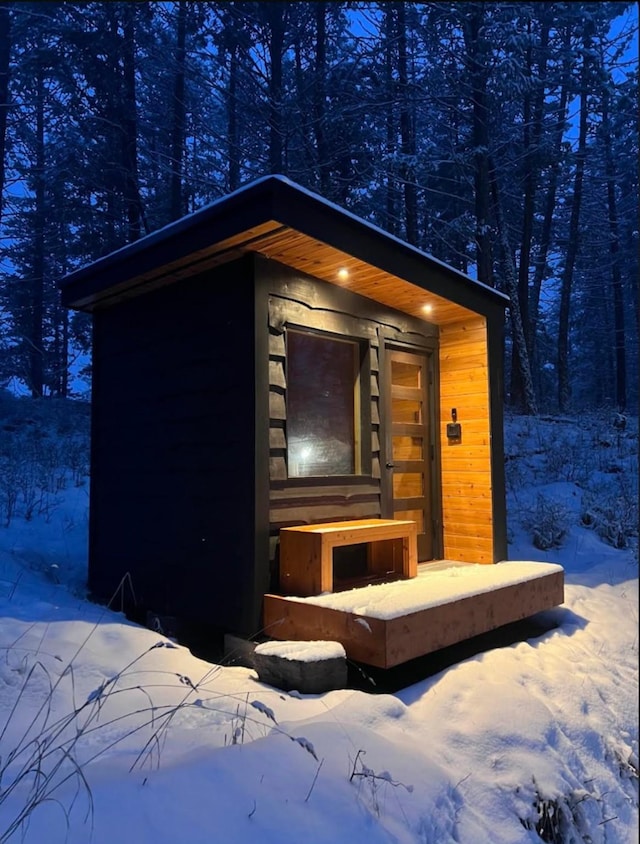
<point x="343" y="274"/>
<point x="427" y="308"/>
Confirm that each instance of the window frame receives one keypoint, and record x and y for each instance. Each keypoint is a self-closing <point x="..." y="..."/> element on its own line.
<point x="362" y="407"/>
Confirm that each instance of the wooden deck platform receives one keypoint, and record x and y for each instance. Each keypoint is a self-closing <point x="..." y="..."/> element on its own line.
<point x="389" y="624"/>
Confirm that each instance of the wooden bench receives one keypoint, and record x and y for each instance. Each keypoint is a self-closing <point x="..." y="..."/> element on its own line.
<point x="306" y="552"/>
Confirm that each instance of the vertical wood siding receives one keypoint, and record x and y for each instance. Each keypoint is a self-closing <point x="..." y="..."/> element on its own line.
<point x="466" y="465"/>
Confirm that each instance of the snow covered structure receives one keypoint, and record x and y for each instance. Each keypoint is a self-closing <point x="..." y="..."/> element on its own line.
<point x="269" y="361"/>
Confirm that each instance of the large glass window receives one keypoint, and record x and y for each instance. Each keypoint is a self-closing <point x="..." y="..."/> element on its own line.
<point x="323" y="405"/>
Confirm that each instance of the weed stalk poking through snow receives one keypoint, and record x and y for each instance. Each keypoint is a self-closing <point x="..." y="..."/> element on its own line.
<point x="39" y="761"/>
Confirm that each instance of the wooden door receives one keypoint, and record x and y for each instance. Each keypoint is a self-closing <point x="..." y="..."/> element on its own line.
<point x="409" y="449"/>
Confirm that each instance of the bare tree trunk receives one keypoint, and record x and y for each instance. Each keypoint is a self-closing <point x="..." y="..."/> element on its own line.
<point x="64" y="375"/>
<point x="233" y="144"/>
<point x="540" y="262"/>
<point x="407" y="132"/>
<point x="276" y="17"/>
<point x="305" y="106"/>
<point x="36" y="351"/>
<point x="176" y="208"/>
<point x="508" y="272"/>
<point x="5" y="52"/>
<point x="460" y="258"/>
<point x="532" y="131"/>
<point x="474" y="40"/>
<point x="135" y="214"/>
<point x="391" y="188"/>
<point x="60" y="313"/>
<point x="614" y="247"/>
<point x="564" y="390"/>
<point x="324" y="169"/>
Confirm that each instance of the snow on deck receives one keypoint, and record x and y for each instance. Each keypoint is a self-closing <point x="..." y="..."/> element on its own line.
<point x="437" y="583"/>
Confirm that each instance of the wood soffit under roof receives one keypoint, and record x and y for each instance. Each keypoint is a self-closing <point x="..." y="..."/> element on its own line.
<point x="322" y="261"/>
<point x="305" y="253"/>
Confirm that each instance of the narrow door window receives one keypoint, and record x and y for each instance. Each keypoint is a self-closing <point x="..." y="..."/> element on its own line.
<point x="408" y="481"/>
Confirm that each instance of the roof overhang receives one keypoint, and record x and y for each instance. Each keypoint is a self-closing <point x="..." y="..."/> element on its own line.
<point x="282" y="221"/>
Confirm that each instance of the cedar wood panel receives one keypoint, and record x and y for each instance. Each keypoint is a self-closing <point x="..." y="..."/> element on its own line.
<point x="466" y="465"/>
<point x="473" y="496"/>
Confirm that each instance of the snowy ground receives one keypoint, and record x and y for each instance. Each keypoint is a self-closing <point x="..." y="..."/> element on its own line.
<point x="109" y="733"/>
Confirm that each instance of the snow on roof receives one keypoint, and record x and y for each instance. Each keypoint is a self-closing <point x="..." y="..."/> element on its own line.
<point x="436" y="584"/>
<point x="178" y="226"/>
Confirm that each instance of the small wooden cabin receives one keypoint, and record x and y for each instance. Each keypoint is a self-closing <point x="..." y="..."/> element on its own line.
<point x="271" y="361"/>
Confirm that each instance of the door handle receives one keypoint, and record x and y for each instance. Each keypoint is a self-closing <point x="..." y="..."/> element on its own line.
<point x="391" y="465"/>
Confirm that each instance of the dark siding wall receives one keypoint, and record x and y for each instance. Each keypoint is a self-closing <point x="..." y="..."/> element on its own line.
<point x="297" y="300"/>
<point x="173" y="463"/>
<point x="495" y="330"/>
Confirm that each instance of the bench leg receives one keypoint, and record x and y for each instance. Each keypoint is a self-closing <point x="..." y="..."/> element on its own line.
<point x="410" y="554"/>
<point x="326" y="564"/>
<point x="300" y="565"/>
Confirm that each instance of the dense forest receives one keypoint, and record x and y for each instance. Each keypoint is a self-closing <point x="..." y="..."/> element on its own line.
<point x="500" y="137"/>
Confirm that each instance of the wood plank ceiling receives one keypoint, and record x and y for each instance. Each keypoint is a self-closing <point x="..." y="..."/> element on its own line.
<point x="310" y="256"/>
<point x="330" y="264"/>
